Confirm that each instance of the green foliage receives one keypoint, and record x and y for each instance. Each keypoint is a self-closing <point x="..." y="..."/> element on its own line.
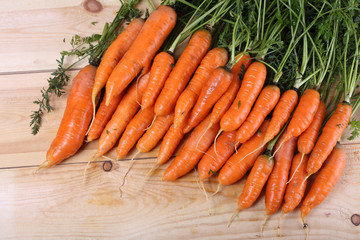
<point x="355" y="129"/>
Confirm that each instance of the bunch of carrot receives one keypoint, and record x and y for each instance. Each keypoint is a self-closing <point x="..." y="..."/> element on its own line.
<point x="222" y="93"/>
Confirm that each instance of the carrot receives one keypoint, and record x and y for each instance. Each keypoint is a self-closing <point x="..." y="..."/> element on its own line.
<point x="169" y="143"/>
<point x="189" y="155"/>
<point x="160" y="70"/>
<point x="134" y="130"/>
<point x="233" y="170"/>
<point x="331" y="132"/>
<point x="154" y="134"/>
<point x="114" y="53"/>
<point x="216" y="57"/>
<point x="281" y="114"/>
<point x="75" y="121"/>
<point x="276" y="185"/>
<point x="324" y="181"/>
<point x="139" y="56"/>
<point x="243" y="60"/>
<point x="213" y="89"/>
<point x="255" y="182"/>
<point x="223" y="104"/>
<point x="296" y="188"/>
<point x="211" y="162"/>
<point x="103" y="115"/>
<point x="124" y="113"/>
<point x="251" y="86"/>
<point x="304" y="114"/>
<point x="180" y="75"/>
<point x="265" y="103"/>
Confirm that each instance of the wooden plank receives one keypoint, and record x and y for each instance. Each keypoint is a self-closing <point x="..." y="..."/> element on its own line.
<point x="32" y="38"/>
<point x="56" y="204"/>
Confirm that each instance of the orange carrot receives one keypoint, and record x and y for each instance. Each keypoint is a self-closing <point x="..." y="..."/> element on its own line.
<point x="215" y="86"/>
<point x="265" y="103"/>
<point x="331" y="133"/>
<point x="192" y="151"/>
<point x="223" y="104"/>
<point x="211" y="162"/>
<point x="251" y="86"/>
<point x="114" y="53"/>
<point x="134" y="130"/>
<point x="139" y="56"/>
<point x="169" y="144"/>
<point x="154" y="134"/>
<point x="76" y="119"/>
<point x="160" y="70"/>
<point x="243" y="60"/>
<point x="324" y="182"/>
<point x="304" y="114"/>
<point x="180" y="75"/>
<point x="216" y="57"/>
<point x="124" y="113"/>
<point x="308" y="138"/>
<point x="281" y="114"/>
<point x="103" y="115"/>
<point x="295" y="190"/>
<point x="234" y="169"/>
<point x="276" y="184"/>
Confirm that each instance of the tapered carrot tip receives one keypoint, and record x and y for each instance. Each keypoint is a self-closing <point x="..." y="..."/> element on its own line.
<point x="43" y="165"/>
<point x="233" y="217"/>
<point x="169" y="176"/>
<point x="263" y="225"/>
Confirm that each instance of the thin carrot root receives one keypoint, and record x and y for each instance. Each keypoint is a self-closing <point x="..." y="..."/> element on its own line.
<point x="197" y="144"/>
<point x="233" y="217"/>
<point x="152" y="170"/>
<point x="253" y="152"/>
<point x="108" y="158"/>
<point x="236" y="147"/>
<point x="43" y="165"/>
<point x="306" y="227"/>
<point x="127" y="172"/>
<point x="297" y="167"/>
<point x="151" y="123"/>
<point x="217" y="135"/>
<point x="305" y="179"/>
<point x="217" y="189"/>
<point x="277" y="149"/>
<point x="93" y="99"/>
<point x="92" y="159"/>
<point x="278" y="233"/>
<point x="263" y="225"/>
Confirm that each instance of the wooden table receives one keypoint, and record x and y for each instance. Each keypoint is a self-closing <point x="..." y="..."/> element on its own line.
<point x="57" y="204"/>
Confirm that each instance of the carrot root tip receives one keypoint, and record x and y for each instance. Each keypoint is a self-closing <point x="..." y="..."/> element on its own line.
<point x="217" y="189"/>
<point x="45" y="164"/>
<point x="263" y="225"/>
<point x="233" y="217"/>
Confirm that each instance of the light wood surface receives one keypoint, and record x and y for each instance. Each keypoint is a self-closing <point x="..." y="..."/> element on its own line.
<point x="57" y="204"/>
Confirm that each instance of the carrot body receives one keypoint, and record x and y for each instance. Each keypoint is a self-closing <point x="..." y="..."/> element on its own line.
<point x="213" y="89"/>
<point x="160" y="70"/>
<point x="114" y="53"/>
<point x="325" y="181"/>
<point x="154" y="134"/>
<point x="256" y="181"/>
<point x="308" y="138"/>
<point x="242" y="64"/>
<point x="223" y="104"/>
<point x="251" y="86"/>
<point x="124" y="113"/>
<point x="331" y="133"/>
<point x="281" y="114"/>
<point x="234" y="169"/>
<point x="304" y="114"/>
<point x="295" y="190"/>
<point x="276" y="185"/>
<point x="103" y="115"/>
<point x="76" y="118"/>
<point x="265" y="103"/>
<point x="180" y="75"/>
<point x="192" y="151"/>
<point x="169" y="143"/>
<point x="139" y="56"/>
<point x="212" y="161"/>
<point x="216" y="57"/>
<point x="134" y="130"/>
